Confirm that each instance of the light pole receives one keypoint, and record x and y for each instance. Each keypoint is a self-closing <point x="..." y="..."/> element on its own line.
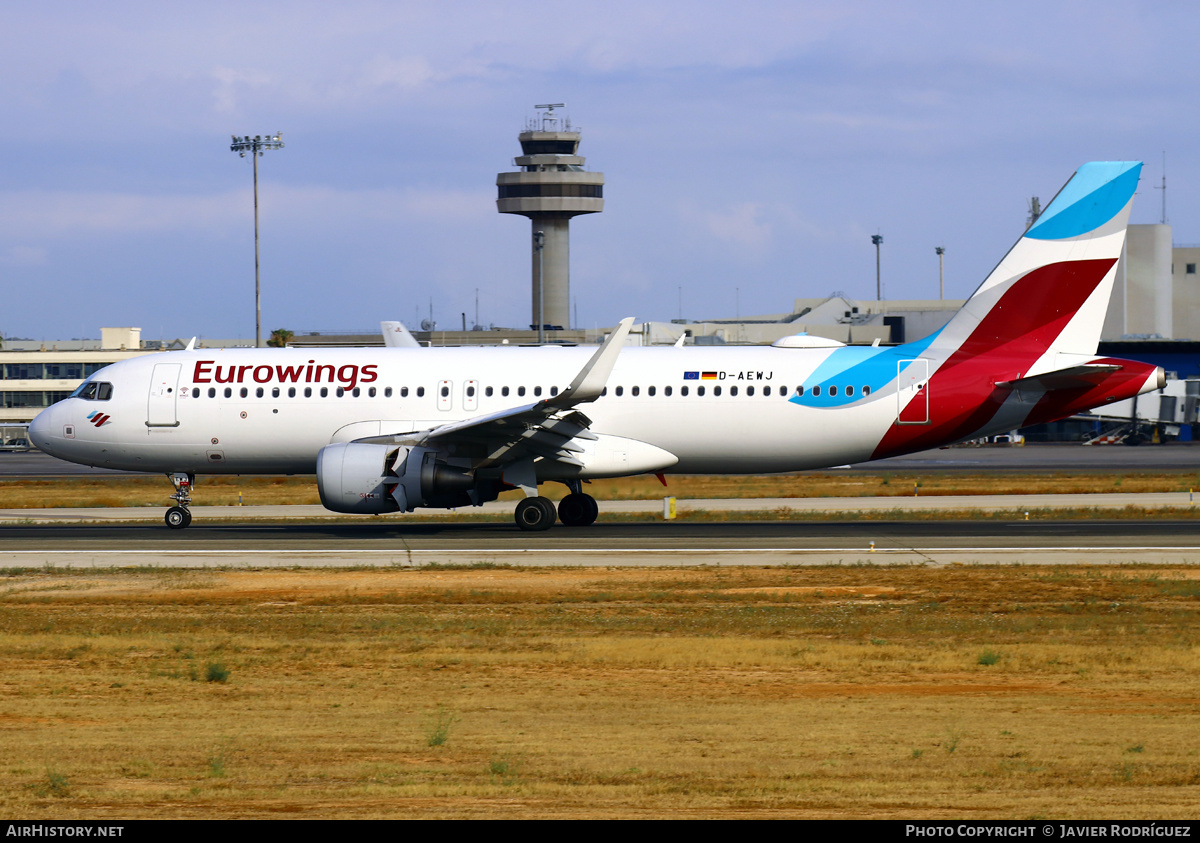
<point x="256" y="146"/>
<point x="941" y="253"/>
<point x="877" y="239"/>
<point x="539" y="245"/>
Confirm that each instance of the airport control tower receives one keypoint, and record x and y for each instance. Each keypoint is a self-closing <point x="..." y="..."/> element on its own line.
<point x="550" y="187"/>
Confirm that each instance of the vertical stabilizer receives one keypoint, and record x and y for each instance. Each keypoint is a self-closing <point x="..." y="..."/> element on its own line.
<point x="395" y="335"/>
<point x="1022" y="349"/>
<point x="1050" y="292"/>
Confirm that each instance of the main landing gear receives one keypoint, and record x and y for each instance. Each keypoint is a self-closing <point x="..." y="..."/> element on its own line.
<point x="575" y="510"/>
<point x="180" y="516"/>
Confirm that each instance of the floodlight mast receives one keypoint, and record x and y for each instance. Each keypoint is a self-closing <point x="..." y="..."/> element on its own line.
<point x="256" y="146"/>
<point x="941" y="253"/>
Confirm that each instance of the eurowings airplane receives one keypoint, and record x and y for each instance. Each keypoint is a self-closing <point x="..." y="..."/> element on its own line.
<point x="393" y="429"/>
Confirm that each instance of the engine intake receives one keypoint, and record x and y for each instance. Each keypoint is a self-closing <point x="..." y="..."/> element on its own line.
<point x="368" y="479"/>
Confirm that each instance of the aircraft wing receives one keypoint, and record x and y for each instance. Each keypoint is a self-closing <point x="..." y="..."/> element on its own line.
<point x="543" y="429"/>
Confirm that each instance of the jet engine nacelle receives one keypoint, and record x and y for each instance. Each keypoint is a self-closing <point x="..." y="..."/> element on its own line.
<point x="369" y="479"/>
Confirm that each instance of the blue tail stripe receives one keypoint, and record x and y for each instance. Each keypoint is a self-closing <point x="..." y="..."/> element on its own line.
<point x="1094" y="196"/>
<point x="858" y="366"/>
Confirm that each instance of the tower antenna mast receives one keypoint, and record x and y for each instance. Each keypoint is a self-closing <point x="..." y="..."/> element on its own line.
<point x="1163" y="188"/>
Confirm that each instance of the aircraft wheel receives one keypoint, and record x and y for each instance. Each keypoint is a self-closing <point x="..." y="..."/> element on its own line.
<point x="177" y="518"/>
<point x="535" y="514"/>
<point x="578" y="510"/>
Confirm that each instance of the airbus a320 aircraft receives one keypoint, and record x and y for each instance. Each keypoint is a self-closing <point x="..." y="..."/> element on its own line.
<point x="393" y="429"/>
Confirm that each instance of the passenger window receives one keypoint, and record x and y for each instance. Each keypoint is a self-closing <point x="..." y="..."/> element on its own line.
<point x="603" y="391"/>
<point x="470" y="392"/>
<point x="520" y="390"/>
<point x="833" y="390"/>
<point x="636" y="391"/>
<point x="371" y="392"/>
<point x="212" y="393"/>
<point x="749" y="390"/>
<point x="324" y="392"/>
<point x="537" y="390"/>
<point x="554" y="390"/>
<point x="650" y="391"/>
<point x="195" y="393"/>
<point x="291" y="392"/>
<point x="849" y="390"/>
<point x="420" y="392"/>
<point x="683" y="390"/>
<point x="800" y="391"/>
<point x="245" y="392"/>
<point x="732" y="390"/>
<point x="340" y="392"/>
<point x="816" y="391"/>
<point x="258" y="393"/>
<point x="356" y="392"/>
<point x="504" y="391"/>
<point x="404" y="392"/>
<point x="620" y="391"/>
<point x="866" y="390"/>
<point x="228" y="392"/>
<point x="445" y="391"/>
<point x="274" y="392"/>
<point x="667" y="391"/>
<point x="488" y="392"/>
<point x="716" y="390"/>
<point x="308" y="392"/>
<point x="700" y="390"/>
<point x="387" y="392"/>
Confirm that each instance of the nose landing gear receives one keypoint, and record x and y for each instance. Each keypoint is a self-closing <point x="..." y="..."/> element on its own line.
<point x="180" y="516"/>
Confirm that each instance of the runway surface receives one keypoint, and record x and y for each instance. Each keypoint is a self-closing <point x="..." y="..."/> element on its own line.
<point x="389" y="544"/>
<point x="289" y="536"/>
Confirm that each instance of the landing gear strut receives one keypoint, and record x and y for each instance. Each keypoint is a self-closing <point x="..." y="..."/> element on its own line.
<point x="180" y="516"/>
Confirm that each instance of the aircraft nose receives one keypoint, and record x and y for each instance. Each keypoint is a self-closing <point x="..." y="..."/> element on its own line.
<point x="42" y="428"/>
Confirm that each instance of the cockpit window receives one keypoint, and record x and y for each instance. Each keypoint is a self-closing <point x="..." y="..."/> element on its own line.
<point x="93" y="391"/>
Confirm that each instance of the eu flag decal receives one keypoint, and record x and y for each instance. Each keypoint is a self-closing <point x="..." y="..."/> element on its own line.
<point x="691" y="376"/>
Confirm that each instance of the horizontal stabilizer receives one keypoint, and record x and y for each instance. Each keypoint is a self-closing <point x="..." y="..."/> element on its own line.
<point x="1074" y="377"/>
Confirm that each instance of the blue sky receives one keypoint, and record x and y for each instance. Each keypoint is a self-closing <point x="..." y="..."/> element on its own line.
<point x="750" y="150"/>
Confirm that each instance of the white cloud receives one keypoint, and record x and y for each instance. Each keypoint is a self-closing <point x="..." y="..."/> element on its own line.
<point x="23" y="256"/>
<point x="743" y="225"/>
<point x="31" y="214"/>
<point x="230" y="81"/>
<point x="40" y="214"/>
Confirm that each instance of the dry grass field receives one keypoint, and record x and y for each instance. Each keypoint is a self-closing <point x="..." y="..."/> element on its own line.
<point x="888" y="692"/>
<point x="103" y="491"/>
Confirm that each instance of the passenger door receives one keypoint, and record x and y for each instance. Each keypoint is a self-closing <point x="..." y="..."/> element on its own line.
<point x="164" y="383"/>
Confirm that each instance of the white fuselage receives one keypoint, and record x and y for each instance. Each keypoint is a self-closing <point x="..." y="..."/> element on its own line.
<point x="717" y="410"/>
